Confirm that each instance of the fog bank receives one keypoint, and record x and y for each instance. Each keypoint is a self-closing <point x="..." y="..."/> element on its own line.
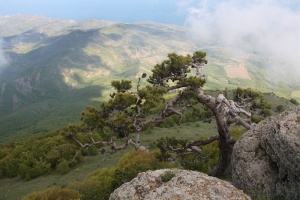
<point x="3" y="58"/>
<point x="267" y="27"/>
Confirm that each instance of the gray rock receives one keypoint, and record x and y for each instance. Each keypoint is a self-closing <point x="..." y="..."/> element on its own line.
<point x="176" y="184"/>
<point x="142" y="148"/>
<point x="266" y="160"/>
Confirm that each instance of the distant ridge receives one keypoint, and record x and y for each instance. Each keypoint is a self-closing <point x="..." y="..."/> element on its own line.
<point x="57" y="67"/>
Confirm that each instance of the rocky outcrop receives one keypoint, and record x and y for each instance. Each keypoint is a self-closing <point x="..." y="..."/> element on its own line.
<point x="176" y="184"/>
<point x="266" y="160"/>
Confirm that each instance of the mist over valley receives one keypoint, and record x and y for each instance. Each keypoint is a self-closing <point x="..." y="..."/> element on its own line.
<point x="51" y="69"/>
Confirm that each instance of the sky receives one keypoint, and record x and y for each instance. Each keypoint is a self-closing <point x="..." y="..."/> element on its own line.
<point x="269" y="27"/>
<point x="164" y="11"/>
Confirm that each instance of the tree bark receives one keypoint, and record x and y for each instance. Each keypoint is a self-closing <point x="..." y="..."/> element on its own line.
<point x="225" y="141"/>
<point x="226" y="144"/>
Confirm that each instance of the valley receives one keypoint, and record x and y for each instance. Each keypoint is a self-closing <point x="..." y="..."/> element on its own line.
<point x="57" y="67"/>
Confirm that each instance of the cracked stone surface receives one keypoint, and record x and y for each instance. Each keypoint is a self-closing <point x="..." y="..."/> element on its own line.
<point x="266" y="160"/>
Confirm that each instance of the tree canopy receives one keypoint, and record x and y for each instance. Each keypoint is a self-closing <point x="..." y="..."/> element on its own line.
<point x="129" y="110"/>
<point x="173" y="91"/>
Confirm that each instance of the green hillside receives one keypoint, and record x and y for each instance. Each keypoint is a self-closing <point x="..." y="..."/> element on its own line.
<point x="14" y="188"/>
<point x="57" y="67"/>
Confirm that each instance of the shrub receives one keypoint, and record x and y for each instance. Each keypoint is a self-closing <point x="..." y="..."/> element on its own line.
<point x="189" y="117"/>
<point x="208" y="159"/>
<point x="294" y="101"/>
<point x="256" y="118"/>
<point x="280" y="108"/>
<point x="98" y="185"/>
<point x="101" y="183"/>
<point x="236" y="132"/>
<point x="265" y="113"/>
<point x="139" y="160"/>
<point x="35" y="156"/>
<point x="53" y="194"/>
<point x="167" y="176"/>
<point x="135" y="162"/>
<point x="93" y="150"/>
<point x="170" y="122"/>
<point x="63" y="167"/>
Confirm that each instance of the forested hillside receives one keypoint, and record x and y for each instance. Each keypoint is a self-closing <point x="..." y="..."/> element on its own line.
<point x="57" y="67"/>
<point x="142" y="99"/>
<point x="162" y="118"/>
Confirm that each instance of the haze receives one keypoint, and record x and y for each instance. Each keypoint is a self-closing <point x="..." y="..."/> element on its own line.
<point x="3" y="57"/>
<point x="267" y="27"/>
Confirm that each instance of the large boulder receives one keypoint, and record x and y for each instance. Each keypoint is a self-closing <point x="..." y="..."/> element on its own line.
<point x="266" y="160"/>
<point x="176" y="184"/>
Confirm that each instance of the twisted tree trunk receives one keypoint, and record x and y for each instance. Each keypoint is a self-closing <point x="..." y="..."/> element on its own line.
<point x="221" y="109"/>
<point x="226" y="144"/>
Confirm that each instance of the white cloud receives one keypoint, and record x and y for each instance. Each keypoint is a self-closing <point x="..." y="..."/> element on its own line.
<point x="270" y="27"/>
<point x="4" y="61"/>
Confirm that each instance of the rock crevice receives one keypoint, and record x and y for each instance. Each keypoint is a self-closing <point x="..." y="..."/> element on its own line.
<point x="266" y="160"/>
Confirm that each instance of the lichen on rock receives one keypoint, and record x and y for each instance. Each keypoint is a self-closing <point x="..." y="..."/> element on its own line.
<point x="266" y="160"/>
<point x="183" y="184"/>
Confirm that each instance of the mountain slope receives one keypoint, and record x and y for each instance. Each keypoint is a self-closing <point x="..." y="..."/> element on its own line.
<point x="54" y="73"/>
<point x="56" y="67"/>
